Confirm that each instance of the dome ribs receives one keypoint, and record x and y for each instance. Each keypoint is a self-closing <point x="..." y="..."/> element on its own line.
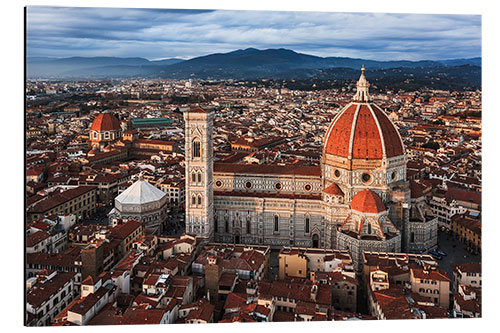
<point x="367" y="201"/>
<point x="105" y="121"/>
<point x="392" y="140"/>
<point x="341" y="133"/>
<point x="366" y="142"/>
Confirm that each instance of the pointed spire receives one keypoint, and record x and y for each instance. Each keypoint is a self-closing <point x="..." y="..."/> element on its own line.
<point x="362" y="94"/>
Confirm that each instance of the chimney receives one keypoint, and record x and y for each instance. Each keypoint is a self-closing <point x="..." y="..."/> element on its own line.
<point x="314" y="292"/>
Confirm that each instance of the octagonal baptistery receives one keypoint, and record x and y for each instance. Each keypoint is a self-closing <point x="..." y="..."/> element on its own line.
<point x="362" y="147"/>
<point x="143" y="202"/>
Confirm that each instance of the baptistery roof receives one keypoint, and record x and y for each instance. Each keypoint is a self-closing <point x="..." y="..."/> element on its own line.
<point x="140" y="192"/>
<point x="105" y="121"/>
<point x="362" y="130"/>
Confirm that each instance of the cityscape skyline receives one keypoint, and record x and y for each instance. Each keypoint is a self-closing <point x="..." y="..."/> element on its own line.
<point x="251" y="189"/>
<point x="174" y="33"/>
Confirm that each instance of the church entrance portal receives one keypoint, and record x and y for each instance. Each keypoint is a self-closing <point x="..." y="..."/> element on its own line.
<point x="315" y="240"/>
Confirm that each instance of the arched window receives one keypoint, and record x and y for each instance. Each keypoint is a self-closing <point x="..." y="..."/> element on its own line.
<point x="249" y="231"/>
<point x="199" y="199"/>
<point x="196" y="149"/>
<point x="226" y="224"/>
<point x="193" y="177"/>
<point x="215" y="224"/>
<point x="276" y="223"/>
<point x="369" y="228"/>
<point x="199" y="177"/>
<point x="436" y="291"/>
<point x="307" y="225"/>
<point x="193" y="200"/>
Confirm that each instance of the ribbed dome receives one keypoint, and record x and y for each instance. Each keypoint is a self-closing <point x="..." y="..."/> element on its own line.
<point x="362" y="130"/>
<point x="105" y="121"/>
<point x="367" y="201"/>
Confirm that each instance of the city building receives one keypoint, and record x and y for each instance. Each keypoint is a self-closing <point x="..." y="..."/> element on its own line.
<point x="358" y="199"/>
<point x="431" y="282"/>
<point x="47" y="294"/>
<point x="466" y="228"/>
<point x="80" y="201"/>
<point x="143" y="202"/>
<point x="302" y="262"/>
<point x="105" y="129"/>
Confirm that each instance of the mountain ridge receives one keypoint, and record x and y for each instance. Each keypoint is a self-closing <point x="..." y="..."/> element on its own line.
<point x="238" y="64"/>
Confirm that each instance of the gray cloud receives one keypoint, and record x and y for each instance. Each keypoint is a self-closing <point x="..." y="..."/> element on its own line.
<point x="151" y="33"/>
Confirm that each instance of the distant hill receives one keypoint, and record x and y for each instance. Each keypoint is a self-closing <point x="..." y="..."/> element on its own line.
<point x="249" y="63"/>
<point x="62" y="67"/>
<point x="165" y="62"/>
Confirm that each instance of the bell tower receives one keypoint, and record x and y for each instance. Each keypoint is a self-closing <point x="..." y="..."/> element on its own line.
<point x="199" y="172"/>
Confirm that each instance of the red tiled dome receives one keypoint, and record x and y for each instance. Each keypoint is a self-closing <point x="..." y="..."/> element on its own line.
<point x="105" y="121"/>
<point x="361" y="130"/>
<point x="367" y="201"/>
<point x="333" y="189"/>
<point x="373" y="133"/>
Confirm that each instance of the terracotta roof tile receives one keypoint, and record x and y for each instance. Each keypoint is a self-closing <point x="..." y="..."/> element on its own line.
<point x="105" y="121"/>
<point x="367" y="201"/>
<point x="333" y="189"/>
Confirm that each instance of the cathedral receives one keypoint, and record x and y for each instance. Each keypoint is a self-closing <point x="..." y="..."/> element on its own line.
<point x="358" y="199"/>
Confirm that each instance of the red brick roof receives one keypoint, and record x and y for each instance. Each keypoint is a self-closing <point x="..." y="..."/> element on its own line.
<point x="417" y="190"/>
<point x="136" y="316"/>
<point x="36" y="238"/>
<point x="436" y="275"/>
<point x="372" y="129"/>
<point x="57" y="199"/>
<point x="121" y="231"/>
<point x="367" y="201"/>
<point x="105" y="121"/>
<point x="198" y="109"/>
<point x="470" y="267"/>
<point x="333" y="189"/>
<point x="42" y="292"/>
<point x="234" y="301"/>
<point x="472" y="305"/>
<point x="203" y="311"/>
<point x="463" y="195"/>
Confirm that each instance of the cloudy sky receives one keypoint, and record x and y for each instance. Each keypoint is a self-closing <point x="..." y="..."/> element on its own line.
<point x="160" y="33"/>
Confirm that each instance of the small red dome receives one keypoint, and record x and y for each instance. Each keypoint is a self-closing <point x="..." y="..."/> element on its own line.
<point x="367" y="201"/>
<point x="105" y="121"/>
<point x="333" y="189"/>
